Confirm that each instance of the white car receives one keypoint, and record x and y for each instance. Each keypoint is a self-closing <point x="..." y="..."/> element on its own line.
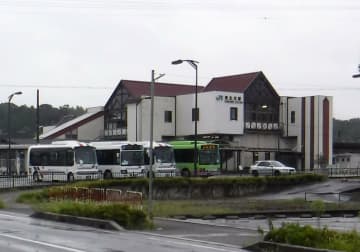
<point x="271" y="167"/>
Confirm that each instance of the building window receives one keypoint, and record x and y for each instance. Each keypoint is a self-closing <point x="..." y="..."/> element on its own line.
<point x="267" y="155"/>
<point x="292" y="117"/>
<point x="194" y="114"/>
<point x="233" y="113"/>
<point x="168" y="116"/>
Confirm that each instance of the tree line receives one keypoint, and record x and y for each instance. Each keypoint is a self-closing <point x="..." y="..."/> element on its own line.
<point x="346" y="131"/>
<point x="23" y="119"/>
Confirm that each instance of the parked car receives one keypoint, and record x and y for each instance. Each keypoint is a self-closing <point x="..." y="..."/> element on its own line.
<point x="270" y="167"/>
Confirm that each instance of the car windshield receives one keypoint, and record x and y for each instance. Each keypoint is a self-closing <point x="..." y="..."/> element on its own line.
<point x="277" y="164"/>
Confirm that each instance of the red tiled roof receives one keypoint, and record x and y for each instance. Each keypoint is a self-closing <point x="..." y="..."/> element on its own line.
<point x="234" y="83"/>
<point x="139" y="88"/>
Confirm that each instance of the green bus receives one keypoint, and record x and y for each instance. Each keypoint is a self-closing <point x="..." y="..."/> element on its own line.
<point x="208" y="161"/>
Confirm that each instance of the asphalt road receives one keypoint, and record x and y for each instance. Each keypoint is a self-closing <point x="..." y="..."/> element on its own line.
<point x="206" y="231"/>
<point x="18" y="232"/>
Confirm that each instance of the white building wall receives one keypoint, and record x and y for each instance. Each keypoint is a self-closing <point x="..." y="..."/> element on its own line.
<point x="138" y="116"/>
<point x="61" y="137"/>
<point x="307" y="132"/>
<point x="318" y="139"/>
<point x="347" y="160"/>
<point x="184" y="124"/>
<point x="92" y="130"/>
<point x="291" y="129"/>
<point x="214" y="113"/>
<point x="131" y="121"/>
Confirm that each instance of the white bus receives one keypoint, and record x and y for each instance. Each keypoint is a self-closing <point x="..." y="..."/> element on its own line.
<point x="62" y="160"/>
<point x="163" y="159"/>
<point x="120" y="159"/>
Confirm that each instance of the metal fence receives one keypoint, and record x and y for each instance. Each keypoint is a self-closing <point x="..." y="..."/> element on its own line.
<point x="97" y="194"/>
<point x="329" y="196"/>
<point x="17" y="181"/>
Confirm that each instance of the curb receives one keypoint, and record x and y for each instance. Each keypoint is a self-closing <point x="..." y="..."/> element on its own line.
<point x="84" y="221"/>
<point x="348" y="213"/>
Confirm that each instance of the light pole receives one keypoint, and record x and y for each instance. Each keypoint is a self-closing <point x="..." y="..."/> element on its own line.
<point x="193" y="64"/>
<point x="357" y="75"/>
<point x="153" y="79"/>
<point x="9" y="135"/>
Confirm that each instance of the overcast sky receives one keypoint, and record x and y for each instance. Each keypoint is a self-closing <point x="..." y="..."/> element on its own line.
<point x="76" y="51"/>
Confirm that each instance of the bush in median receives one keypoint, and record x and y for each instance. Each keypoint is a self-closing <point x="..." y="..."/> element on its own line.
<point x="308" y="236"/>
<point x="124" y="215"/>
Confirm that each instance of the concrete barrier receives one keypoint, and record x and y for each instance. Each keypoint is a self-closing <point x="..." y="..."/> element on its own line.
<point x="84" y="221"/>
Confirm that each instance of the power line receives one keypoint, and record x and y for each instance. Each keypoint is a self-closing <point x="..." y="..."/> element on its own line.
<point x="56" y="86"/>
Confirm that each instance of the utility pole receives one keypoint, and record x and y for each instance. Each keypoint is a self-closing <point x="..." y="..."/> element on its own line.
<point x="153" y="79"/>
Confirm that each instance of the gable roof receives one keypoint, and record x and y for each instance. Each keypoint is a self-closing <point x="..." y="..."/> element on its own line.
<point x="233" y="83"/>
<point x="90" y="115"/>
<point x="142" y="88"/>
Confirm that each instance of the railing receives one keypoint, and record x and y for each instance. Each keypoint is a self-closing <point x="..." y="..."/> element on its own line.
<point x="328" y="196"/>
<point x="344" y="172"/>
<point x="132" y="198"/>
<point x="336" y="172"/>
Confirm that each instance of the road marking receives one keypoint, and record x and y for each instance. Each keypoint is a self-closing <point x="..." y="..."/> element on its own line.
<point x="20" y="216"/>
<point x="194" y="245"/>
<point x="42" y="243"/>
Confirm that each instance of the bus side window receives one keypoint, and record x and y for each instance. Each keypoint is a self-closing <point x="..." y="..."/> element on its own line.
<point x="184" y="156"/>
<point x="69" y="157"/>
<point x="44" y="160"/>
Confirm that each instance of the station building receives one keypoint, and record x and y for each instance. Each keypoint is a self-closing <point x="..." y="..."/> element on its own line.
<point x="243" y="113"/>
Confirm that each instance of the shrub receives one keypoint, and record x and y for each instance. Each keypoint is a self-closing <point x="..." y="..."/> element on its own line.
<point x="317" y="238"/>
<point x="33" y="197"/>
<point x="125" y="216"/>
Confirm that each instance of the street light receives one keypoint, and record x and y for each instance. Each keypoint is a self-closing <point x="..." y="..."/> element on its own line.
<point x="9" y="135"/>
<point x="193" y="64"/>
<point x="357" y="75"/>
<point x="153" y="79"/>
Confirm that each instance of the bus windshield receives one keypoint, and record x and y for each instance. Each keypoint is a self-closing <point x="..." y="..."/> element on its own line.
<point x="85" y="155"/>
<point x="164" y="155"/>
<point x="132" y="157"/>
<point x="207" y="157"/>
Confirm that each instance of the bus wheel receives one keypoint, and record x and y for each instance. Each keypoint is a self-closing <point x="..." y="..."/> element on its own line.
<point x="185" y="173"/>
<point x="70" y="177"/>
<point x="107" y="175"/>
<point x="36" y="177"/>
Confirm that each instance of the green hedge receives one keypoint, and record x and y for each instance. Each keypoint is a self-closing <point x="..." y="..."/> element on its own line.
<point x="124" y="215"/>
<point x="308" y="236"/>
<point x="142" y="184"/>
<point x="211" y="181"/>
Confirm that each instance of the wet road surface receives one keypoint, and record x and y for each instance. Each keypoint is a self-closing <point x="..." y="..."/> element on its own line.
<point x="18" y="232"/>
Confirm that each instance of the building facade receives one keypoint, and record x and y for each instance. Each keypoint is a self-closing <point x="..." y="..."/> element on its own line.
<point x="246" y="115"/>
<point x="243" y="113"/>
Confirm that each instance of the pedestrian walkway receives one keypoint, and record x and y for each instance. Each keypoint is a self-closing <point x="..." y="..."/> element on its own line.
<point x="9" y="199"/>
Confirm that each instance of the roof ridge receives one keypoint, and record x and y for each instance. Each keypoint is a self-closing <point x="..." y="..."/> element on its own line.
<point x="237" y="75"/>
<point x="162" y="83"/>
